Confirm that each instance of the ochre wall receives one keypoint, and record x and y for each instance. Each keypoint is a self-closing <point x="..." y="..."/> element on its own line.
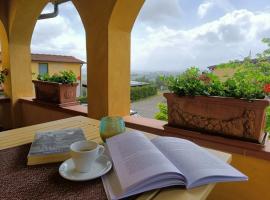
<point x="121" y="22"/>
<point x="257" y="187"/>
<point x="54" y="67"/>
<point x="5" y="115"/>
<point x="108" y="26"/>
<point x="20" y="21"/>
<point x="35" y="114"/>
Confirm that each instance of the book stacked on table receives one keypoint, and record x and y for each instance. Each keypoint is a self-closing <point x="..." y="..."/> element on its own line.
<point x="53" y="146"/>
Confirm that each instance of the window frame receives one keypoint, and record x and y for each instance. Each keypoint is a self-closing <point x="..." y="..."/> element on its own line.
<point x="40" y="64"/>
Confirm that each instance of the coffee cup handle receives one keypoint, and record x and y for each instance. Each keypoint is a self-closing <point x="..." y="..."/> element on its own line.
<point x="101" y="150"/>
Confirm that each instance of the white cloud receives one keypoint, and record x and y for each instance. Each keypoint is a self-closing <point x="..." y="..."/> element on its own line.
<point x="214" y="5"/>
<point x="157" y="12"/>
<point x="226" y="5"/>
<point x="229" y="37"/>
<point x="204" y="8"/>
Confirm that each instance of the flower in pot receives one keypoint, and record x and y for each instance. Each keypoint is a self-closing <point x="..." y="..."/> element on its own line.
<point x="3" y="75"/>
<point x="58" y="89"/>
<point x="235" y="107"/>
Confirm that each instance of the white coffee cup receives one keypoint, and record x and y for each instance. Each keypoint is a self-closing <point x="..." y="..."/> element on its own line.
<point x="84" y="154"/>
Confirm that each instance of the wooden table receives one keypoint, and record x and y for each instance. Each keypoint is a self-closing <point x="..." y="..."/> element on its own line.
<point x="90" y="127"/>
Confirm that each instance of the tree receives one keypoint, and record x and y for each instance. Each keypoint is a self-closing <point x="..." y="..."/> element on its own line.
<point x="160" y="84"/>
<point x="143" y="79"/>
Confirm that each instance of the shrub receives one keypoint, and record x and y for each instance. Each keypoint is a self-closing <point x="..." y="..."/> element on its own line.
<point x="247" y="82"/>
<point x="250" y="81"/>
<point x="163" y="112"/>
<point x="64" y="77"/>
<point x="137" y="93"/>
<point x="267" y="126"/>
<point x="82" y="99"/>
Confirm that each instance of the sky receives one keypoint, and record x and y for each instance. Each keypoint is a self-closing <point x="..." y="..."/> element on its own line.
<point x="170" y="35"/>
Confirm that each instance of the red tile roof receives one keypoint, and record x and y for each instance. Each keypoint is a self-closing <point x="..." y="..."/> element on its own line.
<point x="53" y="58"/>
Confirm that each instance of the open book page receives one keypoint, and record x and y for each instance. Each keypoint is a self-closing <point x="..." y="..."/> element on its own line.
<point x="114" y="191"/>
<point x="197" y="164"/>
<point x="136" y="161"/>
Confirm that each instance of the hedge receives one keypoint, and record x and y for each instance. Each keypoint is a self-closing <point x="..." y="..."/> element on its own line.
<point x="141" y="92"/>
<point x="136" y="93"/>
<point x="267" y="126"/>
<point x="82" y="99"/>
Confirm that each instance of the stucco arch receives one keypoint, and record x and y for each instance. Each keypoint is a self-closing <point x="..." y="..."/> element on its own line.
<point x="120" y="25"/>
<point x="107" y="26"/>
<point x="22" y="18"/>
<point x="5" y="55"/>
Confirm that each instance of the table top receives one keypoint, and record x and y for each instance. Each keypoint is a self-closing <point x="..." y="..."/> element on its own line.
<point x="20" y="136"/>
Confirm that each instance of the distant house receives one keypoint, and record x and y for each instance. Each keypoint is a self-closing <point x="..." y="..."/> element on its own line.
<point x="224" y="73"/>
<point x="137" y="84"/>
<point x="51" y="64"/>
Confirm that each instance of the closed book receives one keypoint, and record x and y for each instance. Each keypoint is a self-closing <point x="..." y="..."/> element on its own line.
<point x="53" y="146"/>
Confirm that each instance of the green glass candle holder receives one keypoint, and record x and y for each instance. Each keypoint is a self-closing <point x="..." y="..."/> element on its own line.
<point x="111" y="126"/>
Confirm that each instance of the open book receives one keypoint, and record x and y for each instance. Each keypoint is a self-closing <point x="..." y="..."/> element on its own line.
<point x="141" y="165"/>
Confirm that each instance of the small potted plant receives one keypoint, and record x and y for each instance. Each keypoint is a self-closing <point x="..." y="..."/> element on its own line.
<point x="3" y="75"/>
<point x="201" y="102"/>
<point x="58" y="89"/>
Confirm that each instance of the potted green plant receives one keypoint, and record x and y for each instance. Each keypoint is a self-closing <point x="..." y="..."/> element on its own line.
<point x="3" y="75"/>
<point x="235" y="107"/>
<point x="58" y="89"/>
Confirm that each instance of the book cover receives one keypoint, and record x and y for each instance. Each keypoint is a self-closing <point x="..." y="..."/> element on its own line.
<point x="53" y="146"/>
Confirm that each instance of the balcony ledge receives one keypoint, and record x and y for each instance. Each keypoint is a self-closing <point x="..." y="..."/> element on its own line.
<point x="74" y="110"/>
<point x="4" y="99"/>
<point x="157" y="127"/>
<point x="214" y="142"/>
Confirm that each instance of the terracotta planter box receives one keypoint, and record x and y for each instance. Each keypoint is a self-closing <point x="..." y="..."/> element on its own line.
<point x="218" y="115"/>
<point x="55" y="93"/>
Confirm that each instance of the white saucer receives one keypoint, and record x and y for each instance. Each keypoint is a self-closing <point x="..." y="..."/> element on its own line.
<point x="100" y="167"/>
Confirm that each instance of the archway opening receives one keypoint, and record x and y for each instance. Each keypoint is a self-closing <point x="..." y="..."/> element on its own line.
<point x="59" y="44"/>
<point x="170" y="37"/>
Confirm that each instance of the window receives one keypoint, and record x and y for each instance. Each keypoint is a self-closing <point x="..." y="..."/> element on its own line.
<point x="43" y="68"/>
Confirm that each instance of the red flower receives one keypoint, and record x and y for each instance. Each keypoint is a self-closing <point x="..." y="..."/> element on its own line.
<point x="266" y="88"/>
<point x="79" y="78"/>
